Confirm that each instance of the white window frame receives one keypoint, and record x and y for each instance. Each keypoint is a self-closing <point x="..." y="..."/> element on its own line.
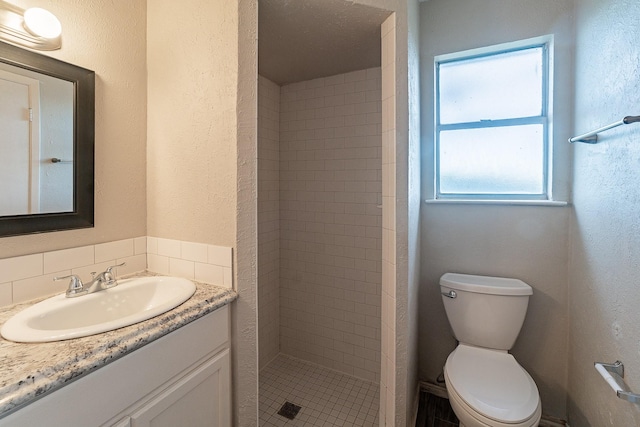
<point x="546" y="42"/>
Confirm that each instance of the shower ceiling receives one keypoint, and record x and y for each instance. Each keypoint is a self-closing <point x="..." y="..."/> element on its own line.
<point x="306" y="39"/>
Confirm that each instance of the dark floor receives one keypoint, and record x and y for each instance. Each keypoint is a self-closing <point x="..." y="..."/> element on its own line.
<point x="435" y="411"/>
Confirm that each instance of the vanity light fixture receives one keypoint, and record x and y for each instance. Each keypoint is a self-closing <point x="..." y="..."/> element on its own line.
<point x="42" y="23"/>
<point x="35" y="28"/>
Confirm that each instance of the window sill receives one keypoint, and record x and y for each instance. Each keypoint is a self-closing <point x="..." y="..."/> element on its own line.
<point x="546" y="203"/>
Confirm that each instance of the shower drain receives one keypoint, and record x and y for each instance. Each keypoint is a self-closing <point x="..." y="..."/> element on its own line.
<point x="289" y="410"/>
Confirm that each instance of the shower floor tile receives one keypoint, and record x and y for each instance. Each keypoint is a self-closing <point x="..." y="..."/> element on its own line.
<point x="327" y="397"/>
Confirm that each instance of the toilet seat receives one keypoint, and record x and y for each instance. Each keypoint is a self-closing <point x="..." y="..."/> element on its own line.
<point x="491" y="387"/>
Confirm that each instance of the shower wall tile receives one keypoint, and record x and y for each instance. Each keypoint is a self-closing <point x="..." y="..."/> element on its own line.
<point x="331" y="221"/>
<point x="269" y="220"/>
<point x="388" y="333"/>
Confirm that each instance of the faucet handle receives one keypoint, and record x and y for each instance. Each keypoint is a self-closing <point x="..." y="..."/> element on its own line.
<point x="108" y="270"/>
<point x="110" y="281"/>
<point x="76" y="288"/>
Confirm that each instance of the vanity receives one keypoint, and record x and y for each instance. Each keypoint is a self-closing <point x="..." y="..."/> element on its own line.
<point x="173" y="369"/>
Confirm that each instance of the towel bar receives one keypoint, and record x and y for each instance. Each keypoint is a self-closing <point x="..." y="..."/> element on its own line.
<point x="613" y="374"/>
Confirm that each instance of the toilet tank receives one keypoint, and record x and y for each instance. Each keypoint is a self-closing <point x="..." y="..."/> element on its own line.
<point x="485" y="311"/>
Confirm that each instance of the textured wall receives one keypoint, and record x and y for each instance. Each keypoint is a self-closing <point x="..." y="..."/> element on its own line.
<point x="268" y="220"/>
<point x="192" y="133"/>
<point x="606" y="235"/>
<point x="414" y="204"/>
<point x="330" y="221"/>
<point x="529" y="243"/>
<point x="111" y="41"/>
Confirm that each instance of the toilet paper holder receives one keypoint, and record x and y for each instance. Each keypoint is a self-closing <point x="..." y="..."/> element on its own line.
<point x="613" y="374"/>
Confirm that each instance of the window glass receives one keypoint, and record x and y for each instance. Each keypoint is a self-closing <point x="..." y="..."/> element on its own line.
<point x="500" y="160"/>
<point x="491" y="123"/>
<point x="492" y="87"/>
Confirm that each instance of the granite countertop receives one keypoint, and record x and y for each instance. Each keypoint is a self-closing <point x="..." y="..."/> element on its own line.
<point x="29" y="371"/>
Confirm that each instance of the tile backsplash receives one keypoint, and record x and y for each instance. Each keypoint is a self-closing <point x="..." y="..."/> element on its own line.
<point x="196" y="261"/>
<point x="31" y="276"/>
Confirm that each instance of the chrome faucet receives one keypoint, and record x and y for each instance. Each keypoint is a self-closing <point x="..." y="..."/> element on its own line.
<point x="104" y="280"/>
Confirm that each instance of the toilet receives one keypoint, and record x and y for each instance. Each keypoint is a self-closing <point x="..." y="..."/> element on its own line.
<point x="486" y="385"/>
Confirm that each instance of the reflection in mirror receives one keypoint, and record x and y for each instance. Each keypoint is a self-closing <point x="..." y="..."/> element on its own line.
<point x="36" y="116"/>
<point x="47" y="116"/>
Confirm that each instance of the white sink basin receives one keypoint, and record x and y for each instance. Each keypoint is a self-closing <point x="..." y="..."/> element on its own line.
<point x="133" y="300"/>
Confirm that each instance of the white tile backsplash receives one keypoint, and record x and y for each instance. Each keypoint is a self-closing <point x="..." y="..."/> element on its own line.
<point x="209" y="273"/>
<point x="158" y="263"/>
<point x="6" y="294"/>
<point x="219" y="255"/>
<point x="169" y="247"/>
<point x="20" y="267"/>
<point x="31" y="276"/>
<point x="194" y="251"/>
<point x="187" y="259"/>
<point x="68" y="258"/>
<point x="182" y="268"/>
<point x="133" y="264"/>
<point x="114" y="250"/>
<point x="140" y="245"/>
<point x="39" y="286"/>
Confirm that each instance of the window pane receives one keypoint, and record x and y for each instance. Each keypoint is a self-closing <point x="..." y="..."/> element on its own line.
<point x="501" y="86"/>
<point x="501" y="160"/>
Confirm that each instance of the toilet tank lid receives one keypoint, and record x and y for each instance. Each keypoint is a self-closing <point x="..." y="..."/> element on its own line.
<point x="485" y="284"/>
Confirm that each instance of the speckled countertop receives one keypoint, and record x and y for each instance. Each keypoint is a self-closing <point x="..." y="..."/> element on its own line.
<point x="28" y="371"/>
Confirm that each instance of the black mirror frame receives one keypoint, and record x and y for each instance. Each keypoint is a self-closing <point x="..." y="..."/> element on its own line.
<point x="83" y="81"/>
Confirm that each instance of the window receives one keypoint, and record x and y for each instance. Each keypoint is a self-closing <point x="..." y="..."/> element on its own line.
<point x="491" y="123"/>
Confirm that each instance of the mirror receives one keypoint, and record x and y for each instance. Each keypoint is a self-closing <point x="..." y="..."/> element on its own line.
<point x="47" y="117"/>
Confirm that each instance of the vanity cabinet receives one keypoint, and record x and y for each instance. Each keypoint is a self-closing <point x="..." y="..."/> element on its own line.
<point x="182" y="378"/>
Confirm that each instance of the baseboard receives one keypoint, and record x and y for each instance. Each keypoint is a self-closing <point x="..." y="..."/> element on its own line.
<point x="441" y="391"/>
<point x="416" y="406"/>
<point x="548" y="421"/>
<point x="435" y="389"/>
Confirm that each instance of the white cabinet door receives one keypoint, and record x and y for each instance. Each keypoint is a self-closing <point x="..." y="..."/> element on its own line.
<point x="201" y="398"/>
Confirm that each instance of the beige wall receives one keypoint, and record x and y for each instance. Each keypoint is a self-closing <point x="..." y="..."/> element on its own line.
<point x="192" y="62"/>
<point x="606" y="234"/>
<point x="112" y="42"/>
<point x="529" y="243"/>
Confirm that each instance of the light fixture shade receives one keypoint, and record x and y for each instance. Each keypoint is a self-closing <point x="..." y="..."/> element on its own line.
<point x="42" y="23"/>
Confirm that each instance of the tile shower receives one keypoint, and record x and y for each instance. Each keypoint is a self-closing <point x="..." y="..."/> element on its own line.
<point x="320" y="234"/>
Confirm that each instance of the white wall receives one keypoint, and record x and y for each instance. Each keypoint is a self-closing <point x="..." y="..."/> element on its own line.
<point x="604" y="293"/>
<point x="331" y="221"/>
<point x="529" y="243"/>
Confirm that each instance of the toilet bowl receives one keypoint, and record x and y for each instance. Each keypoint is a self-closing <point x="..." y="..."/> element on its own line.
<point x="486" y="385"/>
<point x="489" y="388"/>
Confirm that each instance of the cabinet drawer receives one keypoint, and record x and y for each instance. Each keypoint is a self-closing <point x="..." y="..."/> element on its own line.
<point x="199" y="399"/>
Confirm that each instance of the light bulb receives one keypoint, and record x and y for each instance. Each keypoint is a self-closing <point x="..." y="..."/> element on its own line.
<point x="42" y="23"/>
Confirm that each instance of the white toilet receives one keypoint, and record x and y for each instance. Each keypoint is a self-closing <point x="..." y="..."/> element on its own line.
<point x="486" y="385"/>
